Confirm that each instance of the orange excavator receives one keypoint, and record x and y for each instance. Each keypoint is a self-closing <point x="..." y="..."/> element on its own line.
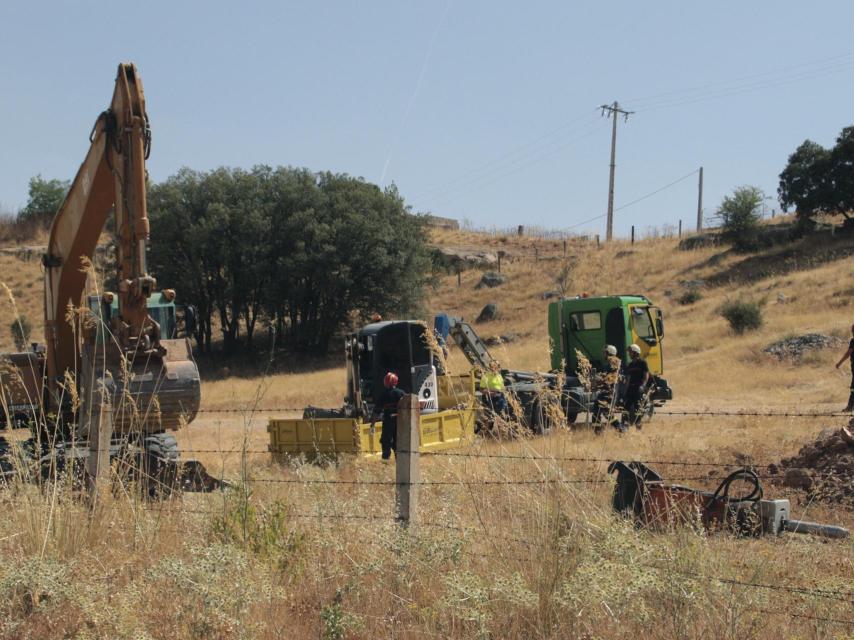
<point x="114" y="375"/>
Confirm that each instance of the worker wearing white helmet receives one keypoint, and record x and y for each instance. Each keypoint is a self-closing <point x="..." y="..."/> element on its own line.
<point x="637" y="379"/>
<point x="605" y="382"/>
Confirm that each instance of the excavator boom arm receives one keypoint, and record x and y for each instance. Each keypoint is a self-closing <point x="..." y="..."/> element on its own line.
<point x="111" y="177"/>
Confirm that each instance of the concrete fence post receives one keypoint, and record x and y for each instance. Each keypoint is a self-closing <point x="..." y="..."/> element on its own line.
<point x="406" y="458"/>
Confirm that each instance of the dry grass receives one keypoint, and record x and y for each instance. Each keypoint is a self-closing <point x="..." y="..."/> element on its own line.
<point x="281" y="556"/>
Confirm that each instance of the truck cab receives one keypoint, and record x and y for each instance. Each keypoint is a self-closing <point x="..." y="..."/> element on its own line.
<point x="586" y="324"/>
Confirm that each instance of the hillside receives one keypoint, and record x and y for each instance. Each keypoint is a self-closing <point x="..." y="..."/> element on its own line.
<point x="806" y="287"/>
<point x="517" y="537"/>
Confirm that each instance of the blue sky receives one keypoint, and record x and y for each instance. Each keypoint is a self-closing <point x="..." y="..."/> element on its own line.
<point x="483" y="111"/>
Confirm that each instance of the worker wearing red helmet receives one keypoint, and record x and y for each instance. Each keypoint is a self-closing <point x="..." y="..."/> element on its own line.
<point x="387" y="405"/>
<point x="849" y="353"/>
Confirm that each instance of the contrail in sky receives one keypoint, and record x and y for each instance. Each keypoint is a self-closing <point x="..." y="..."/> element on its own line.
<point x="414" y="95"/>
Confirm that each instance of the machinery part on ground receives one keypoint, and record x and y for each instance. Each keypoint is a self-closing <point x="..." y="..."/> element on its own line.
<point x="642" y="494"/>
<point x="164" y="471"/>
<point x="113" y="366"/>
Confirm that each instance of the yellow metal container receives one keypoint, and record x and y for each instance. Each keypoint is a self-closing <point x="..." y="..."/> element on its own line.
<point x="323" y="437"/>
<point x="456" y="389"/>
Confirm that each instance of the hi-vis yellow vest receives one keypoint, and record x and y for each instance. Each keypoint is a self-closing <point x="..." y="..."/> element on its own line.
<point x="492" y="381"/>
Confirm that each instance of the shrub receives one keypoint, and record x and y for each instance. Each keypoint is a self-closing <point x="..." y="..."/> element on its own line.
<point x="739" y="216"/>
<point x="743" y="315"/>
<point x="21" y="328"/>
<point x="690" y="296"/>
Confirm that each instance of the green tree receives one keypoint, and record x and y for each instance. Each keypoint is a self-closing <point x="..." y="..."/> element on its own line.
<point x="301" y="252"/>
<point x="820" y="181"/>
<point x="45" y="198"/>
<point x="739" y="216"/>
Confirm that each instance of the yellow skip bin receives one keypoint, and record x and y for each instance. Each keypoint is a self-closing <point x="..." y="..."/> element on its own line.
<point x="313" y="437"/>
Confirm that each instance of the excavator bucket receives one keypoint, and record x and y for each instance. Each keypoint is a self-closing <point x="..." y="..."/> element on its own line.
<point x="152" y="394"/>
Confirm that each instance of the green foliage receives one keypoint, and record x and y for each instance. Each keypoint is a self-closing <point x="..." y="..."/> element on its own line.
<point x="820" y="181"/>
<point x="739" y="216"/>
<point x="264" y="532"/>
<point x="45" y="198"/>
<point x="304" y="253"/>
<point x="21" y="328"/>
<point x="742" y="315"/>
<point x="336" y="622"/>
<point x="690" y="296"/>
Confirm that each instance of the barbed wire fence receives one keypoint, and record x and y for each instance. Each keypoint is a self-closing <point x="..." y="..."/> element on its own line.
<point x="409" y="484"/>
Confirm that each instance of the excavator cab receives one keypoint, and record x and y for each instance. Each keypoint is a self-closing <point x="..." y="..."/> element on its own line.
<point x="397" y="346"/>
<point x="161" y="309"/>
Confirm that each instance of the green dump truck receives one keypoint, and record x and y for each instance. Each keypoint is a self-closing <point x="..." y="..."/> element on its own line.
<point x="584" y="325"/>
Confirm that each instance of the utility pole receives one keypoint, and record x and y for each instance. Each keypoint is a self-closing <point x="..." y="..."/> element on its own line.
<point x="700" y="202"/>
<point x="613" y="110"/>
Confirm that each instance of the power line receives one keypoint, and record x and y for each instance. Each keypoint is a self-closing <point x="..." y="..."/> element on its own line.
<point x="513" y="167"/>
<point x="770" y="84"/>
<point x="463" y="178"/>
<point x="642" y="100"/>
<point x="628" y="204"/>
<point x="659" y="190"/>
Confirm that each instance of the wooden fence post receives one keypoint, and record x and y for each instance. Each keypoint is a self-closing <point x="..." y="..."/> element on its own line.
<point x="407" y="471"/>
<point x="564" y="248"/>
<point x="680" y="228"/>
<point x="459" y="277"/>
<point x="597" y="240"/>
<point x="633" y="234"/>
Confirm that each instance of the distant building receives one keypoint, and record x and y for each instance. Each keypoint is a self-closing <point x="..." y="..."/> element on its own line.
<point x="442" y="223"/>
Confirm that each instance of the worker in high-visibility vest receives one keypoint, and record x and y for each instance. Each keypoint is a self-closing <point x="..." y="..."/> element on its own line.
<point x="492" y="388"/>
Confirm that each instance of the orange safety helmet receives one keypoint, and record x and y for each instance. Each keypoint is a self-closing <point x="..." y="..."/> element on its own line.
<point x="390" y="380"/>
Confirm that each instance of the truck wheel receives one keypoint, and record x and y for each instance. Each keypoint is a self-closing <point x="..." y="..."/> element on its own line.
<point x="540" y="421"/>
<point x="7" y="466"/>
<point x="160" y="458"/>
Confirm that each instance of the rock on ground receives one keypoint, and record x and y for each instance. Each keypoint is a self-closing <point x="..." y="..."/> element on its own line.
<point x="491" y="279"/>
<point x="494" y="341"/>
<point x="466" y="258"/>
<point x="795" y="347"/>
<point x="489" y="312"/>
